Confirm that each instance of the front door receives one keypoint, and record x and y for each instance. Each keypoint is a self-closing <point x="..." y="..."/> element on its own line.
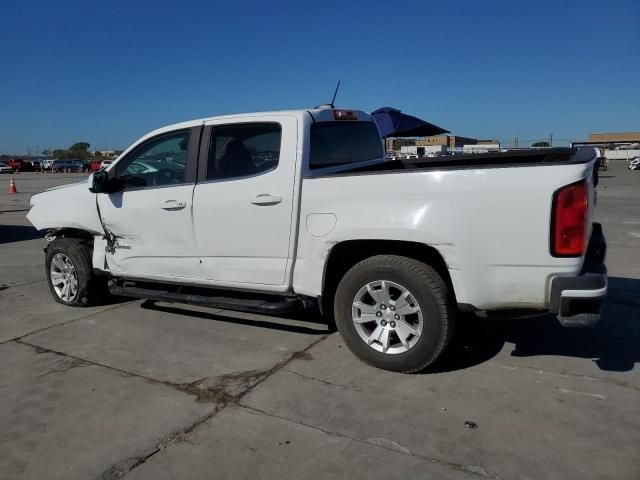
<point x="243" y="206"/>
<point x="150" y="219"/>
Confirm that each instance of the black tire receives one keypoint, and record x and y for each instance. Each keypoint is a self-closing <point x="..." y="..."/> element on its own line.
<point x="427" y="288"/>
<point x="92" y="289"/>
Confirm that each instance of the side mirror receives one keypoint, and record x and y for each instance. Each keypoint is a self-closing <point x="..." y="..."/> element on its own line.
<point x="99" y="182"/>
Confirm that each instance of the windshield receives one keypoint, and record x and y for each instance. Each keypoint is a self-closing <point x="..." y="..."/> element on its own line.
<point x="342" y="143"/>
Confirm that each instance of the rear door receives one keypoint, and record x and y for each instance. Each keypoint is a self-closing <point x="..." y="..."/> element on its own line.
<point x="151" y="217"/>
<point x="243" y="201"/>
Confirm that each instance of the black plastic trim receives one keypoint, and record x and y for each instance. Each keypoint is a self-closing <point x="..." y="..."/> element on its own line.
<point x="256" y="303"/>
<point x="597" y="248"/>
<point x="192" y="154"/>
<point x="203" y="156"/>
<point x="579" y="311"/>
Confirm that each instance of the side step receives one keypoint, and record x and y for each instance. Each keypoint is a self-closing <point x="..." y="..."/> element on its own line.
<point x="243" y="302"/>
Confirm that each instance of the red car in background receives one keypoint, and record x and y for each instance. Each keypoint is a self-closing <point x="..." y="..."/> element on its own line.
<point x="20" y="165"/>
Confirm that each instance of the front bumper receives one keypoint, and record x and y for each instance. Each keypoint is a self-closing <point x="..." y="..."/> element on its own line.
<point x="577" y="301"/>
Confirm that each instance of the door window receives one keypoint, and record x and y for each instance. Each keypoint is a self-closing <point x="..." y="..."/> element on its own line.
<point x="158" y="162"/>
<point x="243" y="150"/>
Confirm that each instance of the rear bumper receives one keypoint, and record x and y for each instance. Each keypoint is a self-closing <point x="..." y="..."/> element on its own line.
<point x="577" y="301"/>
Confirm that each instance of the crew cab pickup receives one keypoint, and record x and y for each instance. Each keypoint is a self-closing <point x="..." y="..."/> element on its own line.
<point x="274" y="212"/>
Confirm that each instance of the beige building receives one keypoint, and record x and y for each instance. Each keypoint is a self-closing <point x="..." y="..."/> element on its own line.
<point x="450" y="141"/>
<point x="621" y="137"/>
<point x="613" y="146"/>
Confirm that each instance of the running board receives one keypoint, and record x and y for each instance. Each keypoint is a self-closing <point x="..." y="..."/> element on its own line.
<point x="253" y="303"/>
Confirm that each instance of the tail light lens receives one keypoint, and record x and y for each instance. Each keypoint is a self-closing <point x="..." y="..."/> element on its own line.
<point x="569" y="218"/>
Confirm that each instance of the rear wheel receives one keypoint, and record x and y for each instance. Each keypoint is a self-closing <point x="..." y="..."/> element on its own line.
<point x="394" y="313"/>
<point x="70" y="274"/>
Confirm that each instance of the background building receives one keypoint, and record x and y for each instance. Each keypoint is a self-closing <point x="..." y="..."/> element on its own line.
<point x="450" y="141"/>
<point x="440" y="144"/>
<point x="615" y="138"/>
<point x="615" y="146"/>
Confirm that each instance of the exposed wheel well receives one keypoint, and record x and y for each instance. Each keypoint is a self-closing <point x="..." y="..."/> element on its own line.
<point x="345" y="255"/>
<point x="69" y="233"/>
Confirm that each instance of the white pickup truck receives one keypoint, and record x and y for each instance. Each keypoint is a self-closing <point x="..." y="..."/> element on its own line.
<point x="274" y="212"/>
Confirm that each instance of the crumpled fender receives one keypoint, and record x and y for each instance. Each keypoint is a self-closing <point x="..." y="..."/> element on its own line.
<point x="69" y="206"/>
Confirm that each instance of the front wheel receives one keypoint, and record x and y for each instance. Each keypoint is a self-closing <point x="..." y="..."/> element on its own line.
<point x="70" y="276"/>
<point x="394" y="313"/>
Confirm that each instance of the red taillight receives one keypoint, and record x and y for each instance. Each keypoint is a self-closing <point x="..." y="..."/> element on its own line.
<point x="569" y="229"/>
<point x="345" y="115"/>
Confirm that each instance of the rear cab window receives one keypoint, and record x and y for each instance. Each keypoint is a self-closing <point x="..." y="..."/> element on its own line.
<point x="338" y="143"/>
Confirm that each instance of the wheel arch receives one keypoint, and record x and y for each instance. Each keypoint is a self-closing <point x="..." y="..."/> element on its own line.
<point x="345" y="255"/>
<point x="69" y="233"/>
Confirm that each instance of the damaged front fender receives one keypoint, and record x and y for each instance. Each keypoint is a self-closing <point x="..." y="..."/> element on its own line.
<point x="71" y="207"/>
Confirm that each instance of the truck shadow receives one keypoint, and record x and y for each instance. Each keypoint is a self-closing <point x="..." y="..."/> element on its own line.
<point x="613" y="344"/>
<point x="18" y="233"/>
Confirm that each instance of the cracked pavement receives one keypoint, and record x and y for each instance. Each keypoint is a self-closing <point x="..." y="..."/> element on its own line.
<point x="144" y="390"/>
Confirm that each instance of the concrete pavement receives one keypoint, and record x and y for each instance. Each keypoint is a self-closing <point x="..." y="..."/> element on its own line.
<point x="149" y="390"/>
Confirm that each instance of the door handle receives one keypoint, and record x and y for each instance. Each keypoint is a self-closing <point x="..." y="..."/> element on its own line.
<point x="173" y="205"/>
<point x="266" y="199"/>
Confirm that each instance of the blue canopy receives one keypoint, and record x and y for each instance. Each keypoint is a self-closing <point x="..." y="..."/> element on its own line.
<point x="393" y="123"/>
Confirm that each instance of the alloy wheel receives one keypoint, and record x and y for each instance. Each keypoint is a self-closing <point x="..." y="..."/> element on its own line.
<point x="387" y="317"/>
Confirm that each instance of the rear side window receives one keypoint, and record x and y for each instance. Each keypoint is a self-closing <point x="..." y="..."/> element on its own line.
<point x="342" y="143"/>
<point x="243" y="150"/>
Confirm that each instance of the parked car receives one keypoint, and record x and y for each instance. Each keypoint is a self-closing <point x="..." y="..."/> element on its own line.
<point x="105" y="163"/>
<point x="19" y="165"/>
<point x="4" y="168"/>
<point x="634" y="164"/>
<point x="392" y="253"/>
<point x="96" y="165"/>
<point x="57" y="166"/>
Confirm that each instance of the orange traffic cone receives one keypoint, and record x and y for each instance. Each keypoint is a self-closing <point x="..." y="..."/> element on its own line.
<point x="12" y="187"/>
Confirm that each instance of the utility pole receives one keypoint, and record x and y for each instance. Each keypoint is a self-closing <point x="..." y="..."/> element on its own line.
<point x="551" y="139"/>
<point x="515" y="142"/>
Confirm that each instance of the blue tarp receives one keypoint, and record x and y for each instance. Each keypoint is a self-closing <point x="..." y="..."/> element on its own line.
<point x="393" y="123"/>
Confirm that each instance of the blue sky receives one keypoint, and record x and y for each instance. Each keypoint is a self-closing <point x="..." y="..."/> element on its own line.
<point x="108" y="72"/>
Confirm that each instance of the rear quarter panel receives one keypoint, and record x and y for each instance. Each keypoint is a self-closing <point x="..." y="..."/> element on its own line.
<point x="490" y="225"/>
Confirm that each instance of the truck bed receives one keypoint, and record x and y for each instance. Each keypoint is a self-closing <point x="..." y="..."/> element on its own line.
<point x="509" y="159"/>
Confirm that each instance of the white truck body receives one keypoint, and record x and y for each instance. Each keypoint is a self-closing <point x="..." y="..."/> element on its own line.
<point x="276" y="231"/>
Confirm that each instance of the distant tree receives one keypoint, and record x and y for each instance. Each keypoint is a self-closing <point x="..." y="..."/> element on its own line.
<point x="80" y="150"/>
<point x="97" y="154"/>
<point x="80" y="146"/>
<point x="60" y="154"/>
<point x="46" y="152"/>
<point x="540" y="144"/>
